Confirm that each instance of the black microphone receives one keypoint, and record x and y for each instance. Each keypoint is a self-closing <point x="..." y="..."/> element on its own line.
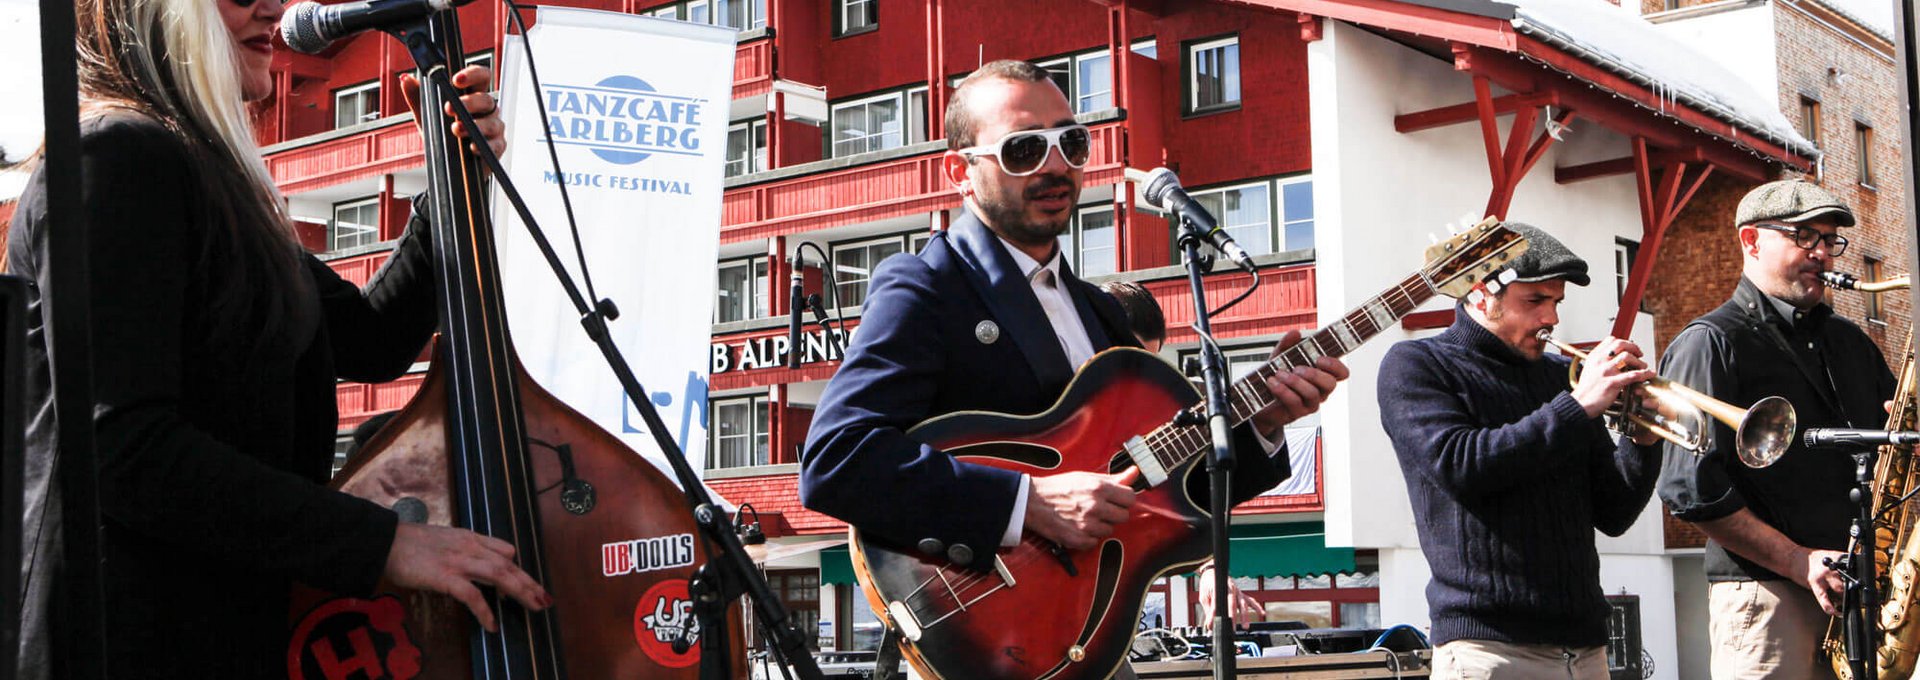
<point x="1842" y="437"/>
<point x="796" y="304"/>
<point x="1162" y="190"/>
<point x="309" y="27"/>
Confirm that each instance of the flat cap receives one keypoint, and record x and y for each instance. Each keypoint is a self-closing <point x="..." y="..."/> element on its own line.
<point x="1546" y="258"/>
<point x="1791" y="200"/>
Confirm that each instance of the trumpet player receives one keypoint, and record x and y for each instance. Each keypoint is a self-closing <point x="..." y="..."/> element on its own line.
<point x="1510" y="472"/>
<point x="1770" y="530"/>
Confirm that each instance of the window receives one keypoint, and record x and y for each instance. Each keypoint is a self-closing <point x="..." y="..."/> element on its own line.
<point x="1296" y="214"/>
<point x="1624" y="655"/>
<point x="746" y="147"/>
<point x="739" y="437"/>
<point x="1863" y="143"/>
<point x="1087" y="78"/>
<point x="853" y="265"/>
<point x="1213" y="75"/>
<point x="1245" y="212"/>
<point x="800" y="590"/>
<point x="356" y="105"/>
<point x="1624" y="253"/>
<point x="741" y="15"/>
<point x="1241" y="361"/>
<point x="1088" y="244"/>
<point x="855" y="16"/>
<point x="742" y="293"/>
<point x="878" y="123"/>
<point x="918" y="242"/>
<point x="1810" y="119"/>
<point x="355" y="223"/>
<point x="1872" y="273"/>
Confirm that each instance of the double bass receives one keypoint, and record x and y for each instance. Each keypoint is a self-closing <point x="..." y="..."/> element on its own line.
<point x="483" y="447"/>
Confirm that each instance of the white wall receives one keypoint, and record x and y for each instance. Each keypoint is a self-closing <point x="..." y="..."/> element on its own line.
<point x="1379" y="194"/>
<point x="1690" y="614"/>
<point x="1741" y="40"/>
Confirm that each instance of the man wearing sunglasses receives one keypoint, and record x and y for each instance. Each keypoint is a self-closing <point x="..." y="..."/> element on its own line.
<point x="988" y="316"/>
<point x="1770" y="530"/>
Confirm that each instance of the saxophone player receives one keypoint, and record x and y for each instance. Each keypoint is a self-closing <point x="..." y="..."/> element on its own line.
<point x="1771" y="529"/>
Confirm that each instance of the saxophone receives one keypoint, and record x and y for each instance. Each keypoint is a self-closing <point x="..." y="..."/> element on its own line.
<point x="1897" y="557"/>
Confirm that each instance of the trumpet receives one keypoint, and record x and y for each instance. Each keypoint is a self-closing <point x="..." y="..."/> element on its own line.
<point x="1679" y="414"/>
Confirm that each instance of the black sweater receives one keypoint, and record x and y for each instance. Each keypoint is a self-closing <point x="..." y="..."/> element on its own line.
<point x="212" y="447"/>
<point x="1508" y="479"/>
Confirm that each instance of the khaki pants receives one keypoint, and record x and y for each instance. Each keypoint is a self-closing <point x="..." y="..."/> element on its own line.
<point x="1766" y="630"/>
<point x="1489" y="660"/>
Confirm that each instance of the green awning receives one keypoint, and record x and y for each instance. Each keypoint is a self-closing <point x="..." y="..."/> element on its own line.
<point x="1284" y="549"/>
<point x="836" y="568"/>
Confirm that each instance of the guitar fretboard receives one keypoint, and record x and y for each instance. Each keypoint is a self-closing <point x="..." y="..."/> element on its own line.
<point x="1174" y="444"/>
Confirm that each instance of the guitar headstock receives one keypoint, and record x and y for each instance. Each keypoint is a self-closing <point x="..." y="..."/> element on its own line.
<point x="1458" y="264"/>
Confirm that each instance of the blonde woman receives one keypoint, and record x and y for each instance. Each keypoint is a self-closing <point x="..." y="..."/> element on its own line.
<point x="217" y="345"/>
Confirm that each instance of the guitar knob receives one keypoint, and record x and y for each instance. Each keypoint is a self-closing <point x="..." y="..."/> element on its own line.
<point x="932" y="547"/>
<point x="960" y="554"/>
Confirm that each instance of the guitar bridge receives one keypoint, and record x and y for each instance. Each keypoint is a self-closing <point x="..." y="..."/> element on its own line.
<point x="1151" y="470"/>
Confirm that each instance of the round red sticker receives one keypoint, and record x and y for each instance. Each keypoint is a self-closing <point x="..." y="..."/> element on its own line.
<point x="665" y="626"/>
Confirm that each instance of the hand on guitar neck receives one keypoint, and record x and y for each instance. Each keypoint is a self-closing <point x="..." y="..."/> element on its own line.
<point x="1297" y="393"/>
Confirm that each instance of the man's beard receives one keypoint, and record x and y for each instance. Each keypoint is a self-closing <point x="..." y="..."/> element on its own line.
<point x="1008" y="216"/>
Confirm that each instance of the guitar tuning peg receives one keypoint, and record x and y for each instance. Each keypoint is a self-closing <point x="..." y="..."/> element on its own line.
<point x="1432" y="239"/>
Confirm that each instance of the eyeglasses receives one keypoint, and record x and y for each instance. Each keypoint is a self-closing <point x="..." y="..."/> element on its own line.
<point x="1807" y="237"/>
<point x="1022" y="153"/>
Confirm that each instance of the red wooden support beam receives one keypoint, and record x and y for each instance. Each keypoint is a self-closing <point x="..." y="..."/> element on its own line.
<point x="1311" y="28"/>
<point x="1661" y="199"/>
<point x="1461" y="113"/>
<point x="1489" y="130"/>
<point x="1569" y="174"/>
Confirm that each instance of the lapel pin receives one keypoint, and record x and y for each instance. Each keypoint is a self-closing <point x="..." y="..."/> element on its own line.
<point x="986" y="332"/>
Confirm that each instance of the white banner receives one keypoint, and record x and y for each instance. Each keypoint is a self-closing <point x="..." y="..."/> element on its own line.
<point x="637" y="112"/>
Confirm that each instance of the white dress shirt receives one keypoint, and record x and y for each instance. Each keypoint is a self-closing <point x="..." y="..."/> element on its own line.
<point x="1057" y="301"/>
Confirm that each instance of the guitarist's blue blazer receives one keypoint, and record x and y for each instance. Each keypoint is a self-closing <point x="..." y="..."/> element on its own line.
<point x="925" y="349"/>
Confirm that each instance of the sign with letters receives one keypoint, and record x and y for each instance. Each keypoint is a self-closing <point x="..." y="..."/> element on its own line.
<point x="636" y="108"/>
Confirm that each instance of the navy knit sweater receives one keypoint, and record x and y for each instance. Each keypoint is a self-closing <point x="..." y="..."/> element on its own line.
<point x="1508" y="478"/>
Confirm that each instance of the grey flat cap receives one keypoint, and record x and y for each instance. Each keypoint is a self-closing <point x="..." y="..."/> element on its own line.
<point x="1791" y="200"/>
<point x="1546" y="258"/>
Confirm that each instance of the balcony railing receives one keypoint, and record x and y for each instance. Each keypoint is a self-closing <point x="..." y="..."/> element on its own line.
<point x="752" y="68"/>
<point x="869" y="187"/>
<point x="382" y="147"/>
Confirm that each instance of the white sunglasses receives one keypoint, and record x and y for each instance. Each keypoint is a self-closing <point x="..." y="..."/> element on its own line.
<point x="1022" y="153"/>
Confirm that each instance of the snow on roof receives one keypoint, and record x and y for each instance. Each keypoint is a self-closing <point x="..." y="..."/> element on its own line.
<point x="1609" y="37"/>
<point x="1876" y="15"/>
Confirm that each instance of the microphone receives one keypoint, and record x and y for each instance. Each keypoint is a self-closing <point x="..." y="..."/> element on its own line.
<point x="1841" y="437"/>
<point x="796" y="304"/>
<point x="309" y="27"/>
<point x="1162" y="190"/>
<point x="834" y="348"/>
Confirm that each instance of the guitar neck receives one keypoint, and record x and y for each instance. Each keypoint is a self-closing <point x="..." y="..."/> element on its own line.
<point x="1175" y="444"/>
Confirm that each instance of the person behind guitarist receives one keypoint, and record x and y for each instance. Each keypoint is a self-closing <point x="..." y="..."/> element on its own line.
<point x="988" y="317"/>
<point x="1510" y="472"/>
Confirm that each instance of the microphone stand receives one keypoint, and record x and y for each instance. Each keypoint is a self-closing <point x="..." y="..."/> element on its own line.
<point x="730" y="572"/>
<point x="1219" y="465"/>
<point x="1861" y="606"/>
